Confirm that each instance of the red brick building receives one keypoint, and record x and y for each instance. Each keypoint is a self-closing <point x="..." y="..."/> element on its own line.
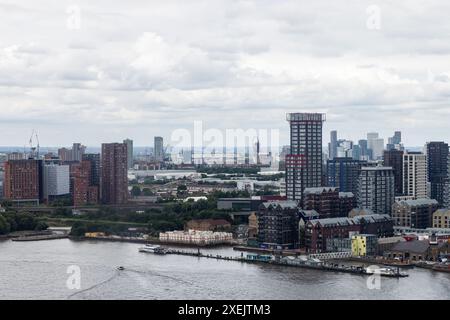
<point x="23" y="180"/>
<point x="319" y="231"/>
<point x="82" y="191"/>
<point x="114" y="173"/>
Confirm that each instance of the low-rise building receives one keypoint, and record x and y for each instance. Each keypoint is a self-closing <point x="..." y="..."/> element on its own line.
<point x="201" y="238"/>
<point x="320" y="230"/>
<point x="364" y="245"/>
<point x="441" y="218"/>
<point x="414" y="213"/>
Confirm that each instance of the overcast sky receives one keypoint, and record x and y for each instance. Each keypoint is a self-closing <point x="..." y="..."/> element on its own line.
<point x="142" y="68"/>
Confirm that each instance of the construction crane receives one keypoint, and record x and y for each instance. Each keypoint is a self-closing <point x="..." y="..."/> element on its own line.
<point x="34" y="149"/>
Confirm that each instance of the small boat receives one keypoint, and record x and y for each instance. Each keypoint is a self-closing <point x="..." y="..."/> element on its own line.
<point x="120" y="268"/>
<point x="148" y="248"/>
<point x="441" y="267"/>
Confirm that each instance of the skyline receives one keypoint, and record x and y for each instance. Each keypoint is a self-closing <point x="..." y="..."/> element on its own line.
<point x="108" y="71"/>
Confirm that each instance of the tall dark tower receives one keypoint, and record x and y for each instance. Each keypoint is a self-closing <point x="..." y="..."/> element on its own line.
<point x="437" y="153"/>
<point x="304" y="163"/>
<point x="114" y="189"/>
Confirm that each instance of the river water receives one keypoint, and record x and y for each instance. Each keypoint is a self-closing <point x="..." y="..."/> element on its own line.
<point x="39" y="270"/>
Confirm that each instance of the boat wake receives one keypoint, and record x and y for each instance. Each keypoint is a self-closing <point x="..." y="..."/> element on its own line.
<point x="95" y="286"/>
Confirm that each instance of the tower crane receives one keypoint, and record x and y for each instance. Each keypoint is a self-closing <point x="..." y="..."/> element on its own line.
<point x="34" y="149"/>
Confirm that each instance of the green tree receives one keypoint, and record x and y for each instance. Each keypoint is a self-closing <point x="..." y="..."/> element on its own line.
<point x="4" y="225"/>
<point x="136" y="191"/>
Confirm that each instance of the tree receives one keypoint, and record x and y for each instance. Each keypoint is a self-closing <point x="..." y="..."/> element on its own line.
<point x="4" y="225"/>
<point x="136" y="191"/>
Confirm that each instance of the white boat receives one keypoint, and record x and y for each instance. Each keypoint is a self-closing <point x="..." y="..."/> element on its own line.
<point x="149" y="248"/>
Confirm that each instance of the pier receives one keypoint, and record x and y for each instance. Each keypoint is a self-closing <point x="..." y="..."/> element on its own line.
<point x="292" y="262"/>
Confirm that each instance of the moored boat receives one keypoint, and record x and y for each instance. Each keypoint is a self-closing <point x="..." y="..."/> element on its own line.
<point x="148" y="248"/>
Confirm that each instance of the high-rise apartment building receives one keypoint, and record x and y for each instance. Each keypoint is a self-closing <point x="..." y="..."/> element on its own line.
<point x="23" y="180"/>
<point x="159" y="149"/>
<point x="83" y="192"/>
<point x="447" y="185"/>
<point x="344" y="174"/>
<point x="114" y="177"/>
<point x="394" y="158"/>
<point x="437" y="154"/>
<point x="94" y="159"/>
<point x="304" y="163"/>
<point x="415" y="175"/>
<point x="129" y="144"/>
<point x="376" y="189"/>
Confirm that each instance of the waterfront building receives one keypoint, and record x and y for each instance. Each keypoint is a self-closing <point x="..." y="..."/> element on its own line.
<point x="304" y="163"/>
<point x="415" y="175"/>
<point x="364" y="245"/>
<point x="56" y="181"/>
<point x="414" y="213"/>
<point x="129" y="144"/>
<point x="441" y="218"/>
<point x="437" y="154"/>
<point x="23" y="180"/>
<point x="195" y="237"/>
<point x="278" y="224"/>
<point x="376" y="189"/>
<point x="159" y="149"/>
<point x="319" y="231"/>
<point x="394" y="158"/>
<point x="114" y="173"/>
<point x="343" y="173"/>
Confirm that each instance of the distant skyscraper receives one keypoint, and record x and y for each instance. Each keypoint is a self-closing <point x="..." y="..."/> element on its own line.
<point x="159" y="149"/>
<point x="376" y="189"/>
<point x="375" y="144"/>
<point x="395" y="141"/>
<point x="394" y="158"/>
<point x="437" y="153"/>
<point x="332" y="146"/>
<point x="304" y="163"/>
<point x="114" y="173"/>
<point x="77" y="152"/>
<point x="129" y="144"/>
<point x="415" y="175"/>
<point x="363" y="147"/>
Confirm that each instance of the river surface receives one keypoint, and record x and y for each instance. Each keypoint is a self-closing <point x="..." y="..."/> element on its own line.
<point x="39" y="270"/>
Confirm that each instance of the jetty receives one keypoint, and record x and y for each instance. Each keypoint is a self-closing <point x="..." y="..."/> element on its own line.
<point x="304" y="262"/>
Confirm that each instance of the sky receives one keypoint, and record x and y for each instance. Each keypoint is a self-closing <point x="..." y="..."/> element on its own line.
<point x="102" y="71"/>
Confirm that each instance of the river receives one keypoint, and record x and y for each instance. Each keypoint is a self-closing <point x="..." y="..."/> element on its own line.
<point x="39" y="270"/>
